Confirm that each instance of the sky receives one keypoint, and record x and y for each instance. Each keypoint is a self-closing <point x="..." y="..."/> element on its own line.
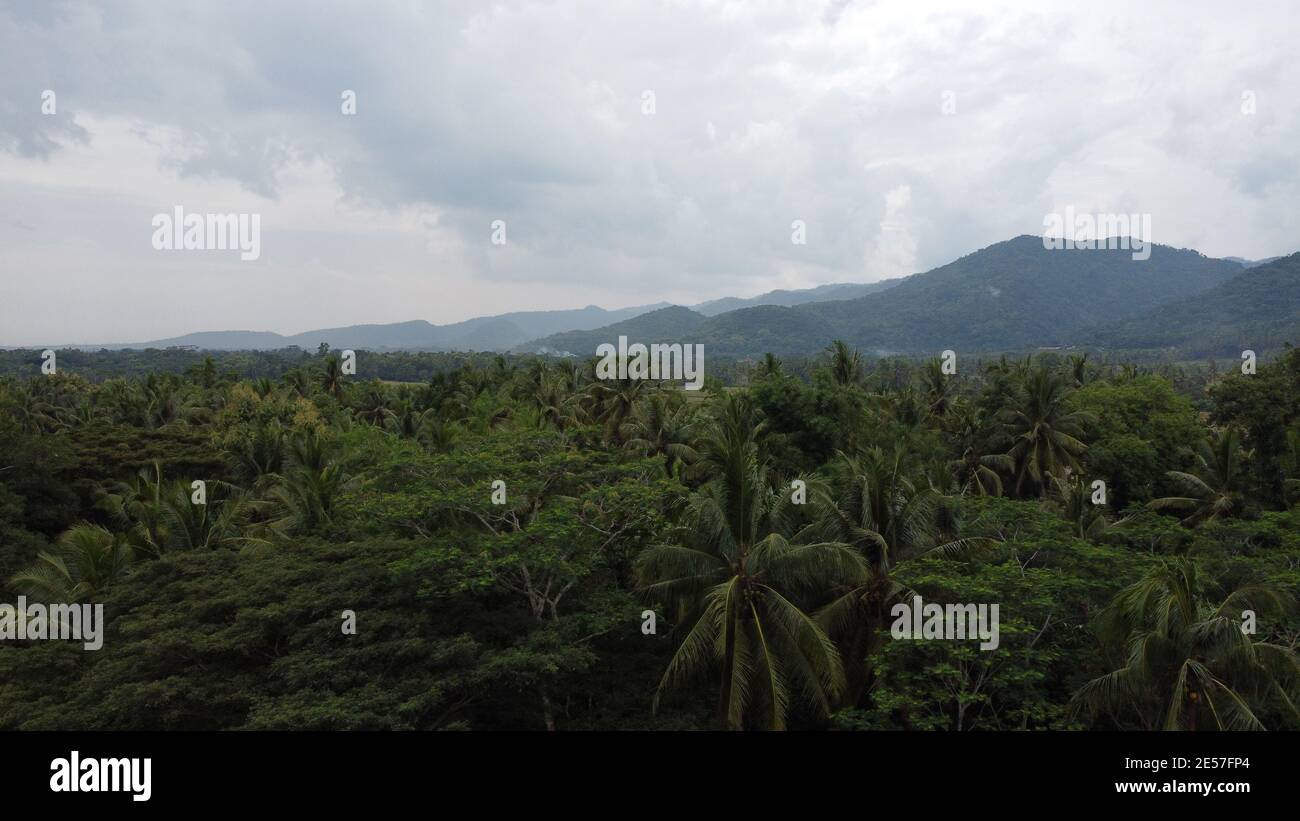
<point x="626" y="152"/>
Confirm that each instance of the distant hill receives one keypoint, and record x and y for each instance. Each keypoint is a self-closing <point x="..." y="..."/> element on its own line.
<point x="822" y="293"/>
<point x="671" y="324"/>
<point x="1251" y="263"/>
<point x="1259" y="309"/>
<point x="1012" y="295"/>
<point x="489" y="333"/>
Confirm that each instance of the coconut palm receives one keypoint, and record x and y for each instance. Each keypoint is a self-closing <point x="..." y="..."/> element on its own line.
<point x="261" y="451"/>
<point x="1072" y="498"/>
<point x="937" y="386"/>
<point x="739" y="578"/>
<point x="846" y="363"/>
<point x="611" y="401"/>
<point x="331" y="378"/>
<point x="299" y="382"/>
<point x="221" y="521"/>
<point x="873" y="504"/>
<point x="554" y="400"/>
<point x="1187" y="662"/>
<point x="769" y="368"/>
<point x="1215" y="490"/>
<point x="308" y="489"/>
<point x="980" y="468"/>
<point x="87" y="562"/>
<point x="1078" y="369"/>
<point x="375" y="405"/>
<point x="139" y="506"/>
<point x="660" y="426"/>
<point x="1045" y="439"/>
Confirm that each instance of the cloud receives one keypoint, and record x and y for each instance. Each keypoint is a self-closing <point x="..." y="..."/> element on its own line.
<point x="532" y="113"/>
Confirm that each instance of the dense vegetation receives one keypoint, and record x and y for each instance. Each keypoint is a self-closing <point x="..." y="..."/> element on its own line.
<point x="1257" y="309"/>
<point x="499" y="527"/>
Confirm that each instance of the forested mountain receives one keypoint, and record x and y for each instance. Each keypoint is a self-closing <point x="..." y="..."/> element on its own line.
<point x="1012" y="295"/>
<point x="671" y="324"/>
<point x="822" y="293"/>
<point x="1259" y="309"/>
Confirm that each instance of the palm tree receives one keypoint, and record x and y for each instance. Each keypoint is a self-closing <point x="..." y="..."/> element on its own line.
<point x="769" y="368"/>
<point x="846" y="363"/>
<point x="331" y="378"/>
<point x="307" y="491"/>
<point x="220" y="522"/>
<point x="262" y="452"/>
<point x="873" y="504"/>
<point x="553" y="400"/>
<point x="612" y="401"/>
<point x="1215" y="488"/>
<point x="1188" y="664"/>
<point x="140" y="506"/>
<point x="35" y="413"/>
<point x="1072" y="498"/>
<point x="437" y="434"/>
<point x="373" y="406"/>
<point x="1079" y="369"/>
<point x="937" y="386"/>
<point x="1045" y="439"/>
<point x="299" y="381"/>
<point x="88" y="561"/>
<point x="738" y="579"/>
<point x="660" y="426"/>
<point x="978" y="468"/>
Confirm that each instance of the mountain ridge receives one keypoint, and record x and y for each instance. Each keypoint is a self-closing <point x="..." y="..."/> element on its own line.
<point x="1014" y="294"/>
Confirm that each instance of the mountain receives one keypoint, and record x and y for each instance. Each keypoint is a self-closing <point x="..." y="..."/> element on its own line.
<point x="1259" y="309"/>
<point x="671" y="324"/>
<point x="822" y="293"/>
<point x="1013" y="295"/>
<point x="1251" y="263"/>
<point x="489" y="333"/>
<point x="1010" y="296"/>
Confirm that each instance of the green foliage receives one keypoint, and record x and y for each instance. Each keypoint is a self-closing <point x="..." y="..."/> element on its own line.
<point x="498" y="526"/>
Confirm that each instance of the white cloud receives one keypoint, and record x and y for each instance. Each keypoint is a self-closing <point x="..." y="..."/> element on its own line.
<point x="531" y="112"/>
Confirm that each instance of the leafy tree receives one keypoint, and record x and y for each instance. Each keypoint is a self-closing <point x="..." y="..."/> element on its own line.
<point x="1188" y="662"/>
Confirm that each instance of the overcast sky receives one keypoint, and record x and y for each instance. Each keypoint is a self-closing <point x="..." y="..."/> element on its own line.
<point x="903" y="134"/>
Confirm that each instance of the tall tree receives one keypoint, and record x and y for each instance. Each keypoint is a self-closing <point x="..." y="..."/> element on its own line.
<point x="1045" y="438"/>
<point x="1188" y="663"/>
<point x="738" y="577"/>
<point x="1215" y="490"/>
